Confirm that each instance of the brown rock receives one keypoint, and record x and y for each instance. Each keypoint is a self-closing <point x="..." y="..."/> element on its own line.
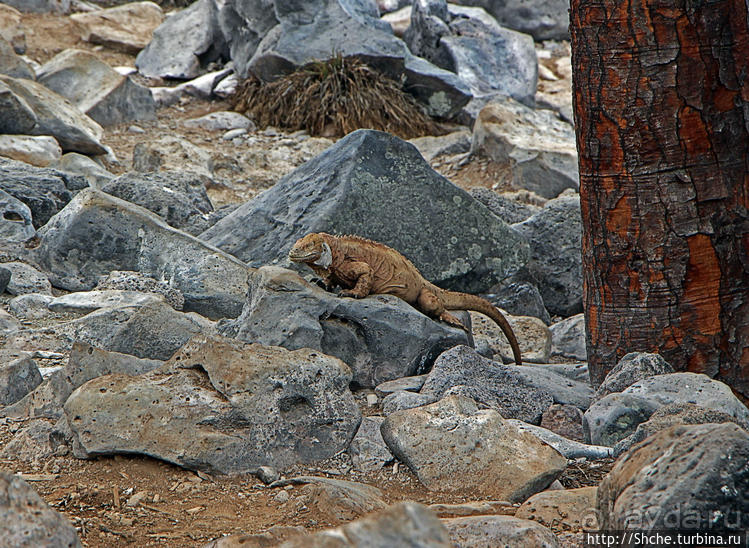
<point x="565" y="420"/>
<point x="566" y="510"/>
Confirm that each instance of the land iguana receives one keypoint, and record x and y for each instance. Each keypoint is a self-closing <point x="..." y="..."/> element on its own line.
<point x="363" y="267"/>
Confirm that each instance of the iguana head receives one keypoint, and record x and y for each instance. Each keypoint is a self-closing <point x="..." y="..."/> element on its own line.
<point x="312" y="249"/>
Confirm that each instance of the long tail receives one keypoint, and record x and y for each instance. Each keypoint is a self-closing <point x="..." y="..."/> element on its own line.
<point x="454" y="300"/>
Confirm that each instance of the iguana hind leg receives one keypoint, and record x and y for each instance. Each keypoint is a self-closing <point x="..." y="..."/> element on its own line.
<point x="430" y="305"/>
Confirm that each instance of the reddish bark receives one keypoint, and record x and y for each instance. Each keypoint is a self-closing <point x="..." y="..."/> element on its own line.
<point x="661" y="99"/>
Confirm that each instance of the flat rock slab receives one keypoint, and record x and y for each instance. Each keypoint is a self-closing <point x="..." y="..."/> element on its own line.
<point x="58" y="117"/>
<point x="692" y="477"/>
<point x="98" y="233"/>
<point x="452" y="446"/>
<point x="403" y="524"/>
<point x="26" y="520"/>
<point x="492" y="531"/>
<point x="84" y="302"/>
<point x="37" y="150"/>
<point x="221" y="406"/>
<point x="360" y="185"/>
<point x="127" y="28"/>
<point x="380" y="337"/>
<point x="562" y="509"/>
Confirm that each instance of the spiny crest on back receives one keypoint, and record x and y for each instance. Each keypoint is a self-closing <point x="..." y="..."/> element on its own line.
<point x="386" y="248"/>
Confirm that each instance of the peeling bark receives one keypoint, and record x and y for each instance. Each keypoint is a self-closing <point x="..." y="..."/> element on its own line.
<point x="661" y="100"/>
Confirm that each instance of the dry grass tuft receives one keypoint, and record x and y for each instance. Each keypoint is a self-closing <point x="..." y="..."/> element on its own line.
<point x="333" y="98"/>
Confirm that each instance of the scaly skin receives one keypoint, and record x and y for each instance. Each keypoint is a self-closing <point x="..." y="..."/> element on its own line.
<point x="363" y="267"/>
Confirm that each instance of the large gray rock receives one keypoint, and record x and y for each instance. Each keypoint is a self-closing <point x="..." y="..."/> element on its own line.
<point x="135" y="281"/>
<point x="685" y="477"/>
<point x="37" y="150"/>
<point x="85" y="362"/>
<point x="368" y="450"/>
<point x="153" y="331"/>
<point x="509" y="210"/>
<point x="17" y="379"/>
<point x="452" y="446"/>
<point x="614" y="417"/>
<point x="40" y="6"/>
<point x="505" y="531"/>
<point x="538" y="146"/>
<point x="183" y="42"/>
<point x="25" y="279"/>
<point x="26" y="521"/>
<point x="16" y="116"/>
<point x="633" y="367"/>
<point x="44" y="191"/>
<point x="555" y="236"/>
<point x="542" y="19"/>
<point x="671" y="415"/>
<point x="380" y="338"/>
<point x="568" y="338"/>
<point x="98" y="90"/>
<point x="221" y="406"/>
<point x="519" y="299"/>
<point x="315" y="31"/>
<point x="487" y="57"/>
<point x="58" y="117"/>
<point x="375" y="185"/>
<point x="97" y="233"/>
<point x="402" y="524"/>
<point x="245" y="23"/>
<point x="126" y="28"/>
<point x="491" y="384"/>
<point x="16" y="223"/>
<point x="179" y="198"/>
<point x="13" y="65"/>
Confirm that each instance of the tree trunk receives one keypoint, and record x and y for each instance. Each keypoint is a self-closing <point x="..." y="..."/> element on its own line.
<point x="661" y="100"/>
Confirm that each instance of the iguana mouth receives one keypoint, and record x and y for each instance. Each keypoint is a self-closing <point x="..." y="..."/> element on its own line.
<point x="302" y="256"/>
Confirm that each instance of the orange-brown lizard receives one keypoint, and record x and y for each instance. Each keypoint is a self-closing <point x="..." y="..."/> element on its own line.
<point x="363" y="267"/>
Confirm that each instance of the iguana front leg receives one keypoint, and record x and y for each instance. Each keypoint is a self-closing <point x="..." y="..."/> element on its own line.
<point x="362" y="273"/>
<point x="324" y="275"/>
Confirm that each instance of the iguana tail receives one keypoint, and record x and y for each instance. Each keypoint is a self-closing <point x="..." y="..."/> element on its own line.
<point x="454" y="300"/>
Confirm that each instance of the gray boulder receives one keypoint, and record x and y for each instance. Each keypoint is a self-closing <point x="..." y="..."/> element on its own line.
<point x="568" y="338"/>
<point x="542" y="19"/>
<point x="375" y="185"/>
<point x="84" y="302"/>
<point x="380" y="337"/>
<point x="509" y="210"/>
<point x="402" y="524"/>
<point x="13" y="65"/>
<point x="243" y="405"/>
<point x="245" y="23"/>
<point x="184" y="43"/>
<point x="97" y="233"/>
<point x="614" y="417"/>
<point x="451" y="446"/>
<point x="491" y="384"/>
<point x="40" y="6"/>
<point x="314" y="31"/>
<point x="555" y="236"/>
<point x="672" y="415"/>
<point x="16" y="116"/>
<point x="179" y="198"/>
<point x="44" y="191"/>
<point x="98" y="90"/>
<point x="31" y="306"/>
<point x="685" y="477"/>
<point x="24" y="279"/>
<point x="490" y="59"/>
<point x="505" y="531"/>
<point x="633" y="367"/>
<point x="18" y="378"/>
<point x="368" y="450"/>
<point x="85" y="362"/>
<point x="519" y="298"/>
<point x="58" y="117"/>
<point x="27" y="521"/>
<point x="538" y="147"/>
<point x="16" y="223"/>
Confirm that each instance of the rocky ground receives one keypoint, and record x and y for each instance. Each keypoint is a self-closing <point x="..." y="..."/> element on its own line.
<point x="149" y="422"/>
